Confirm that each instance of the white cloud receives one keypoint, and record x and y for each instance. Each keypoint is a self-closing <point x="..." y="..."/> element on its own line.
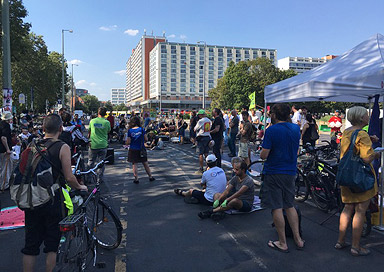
<point x="131" y="32"/>
<point x="183" y="37"/>
<point x="172" y="36"/>
<point x="120" y="73"/>
<point x="82" y="82"/>
<point x="75" y="61"/>
<point x="92" y="84"/>
<point x="108" y="28"/>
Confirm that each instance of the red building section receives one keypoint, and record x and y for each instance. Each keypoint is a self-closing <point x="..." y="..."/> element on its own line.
<point x="149" y="44"/>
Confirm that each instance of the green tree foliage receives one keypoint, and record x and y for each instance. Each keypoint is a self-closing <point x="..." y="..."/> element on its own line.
<point x="32" y="65"/>
<point x="244" y="78"/>
<point x="108" y="105"/>
<point x="121" y="107"/>
<point x="91" y="103"/>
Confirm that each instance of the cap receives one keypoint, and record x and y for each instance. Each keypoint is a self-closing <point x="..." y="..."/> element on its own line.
<point x="201" y="111"/>
<point x="211" y="158"/>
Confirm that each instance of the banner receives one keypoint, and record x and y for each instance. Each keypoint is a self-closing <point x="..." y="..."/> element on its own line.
<point x="252" y="97"/>
<point x="7" y="99"/>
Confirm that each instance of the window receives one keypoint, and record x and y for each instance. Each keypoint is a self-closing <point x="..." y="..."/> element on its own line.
<point x="182" y="52"/>
<point x="163" y="56"/>
<point x="183" y="80"/>
<point x="173" y="46"/>
<point x="173" y="79"/>
<point x="163" y="46"/>
<point x="163" y="65"/>
<point x="173" y="51"/>
<point x="182" y="48"/>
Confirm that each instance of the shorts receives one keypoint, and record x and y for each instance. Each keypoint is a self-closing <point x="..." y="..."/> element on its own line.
<point x="278" y="191"/>
<point x="243" y="150"/>
<point x="181" y="132"/>
<point x="246" y="207"/>
<point x="203" y="145"/>
<point x="42" y="225"/>
<point x="199" y="195"/>
<point x="134" y="156"/>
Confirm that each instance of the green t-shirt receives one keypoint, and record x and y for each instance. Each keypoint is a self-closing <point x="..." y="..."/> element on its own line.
<point x="99" y="128"/>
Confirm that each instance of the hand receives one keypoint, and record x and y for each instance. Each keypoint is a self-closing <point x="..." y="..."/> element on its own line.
<point x="216" y="203"/>
<point x="9" y="152"/>
<point x="374" y="138"/>
<point x="83" y="188"/>
<point x="224" y="204"/>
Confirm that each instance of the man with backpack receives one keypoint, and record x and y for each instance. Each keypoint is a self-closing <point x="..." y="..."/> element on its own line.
<point x="42" y="222"/>
<point x="280" y="146"/>
<point x="71" y="134"/>
<point x="98" y="134"/>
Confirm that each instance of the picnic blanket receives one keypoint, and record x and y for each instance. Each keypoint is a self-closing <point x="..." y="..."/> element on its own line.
<point x="11" y="218"/>
<point x="255" y="207"/>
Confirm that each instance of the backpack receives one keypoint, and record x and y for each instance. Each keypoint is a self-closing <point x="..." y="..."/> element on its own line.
<point x="32" y="183"/>
<point x="66" y="137"/>
<point x="314" y="135"/>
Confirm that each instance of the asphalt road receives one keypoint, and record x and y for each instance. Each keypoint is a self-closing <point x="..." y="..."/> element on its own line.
<point x="162" y="233"/>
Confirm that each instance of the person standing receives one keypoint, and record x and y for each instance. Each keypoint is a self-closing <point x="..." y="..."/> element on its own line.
<point x="310" y="130"/>
<point x="217" y="134"/>
<point x="234" y="129"/>
<point x="245" y="135"/>
<point x="42" y="223"/>
<point x="226" y="123"/>
<point x="111" y="120"/>
<point x="99" y="129"/>
<point x="279" y="149"/>
<point x="356" y="204"/>
<point x="203" y="137"/>
<point x="6" y="165"/>
<point x="136" y="139"/>
<point x="192" y="124"/>
<point x="296" y="118"/>
<point x="335" y="124"/>
<point x="181" y="128"/>
<point x="303" y="117"/>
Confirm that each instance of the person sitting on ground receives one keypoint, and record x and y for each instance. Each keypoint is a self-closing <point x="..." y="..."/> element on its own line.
<point x="239" y="195"/>
<point x="213" y="181"/>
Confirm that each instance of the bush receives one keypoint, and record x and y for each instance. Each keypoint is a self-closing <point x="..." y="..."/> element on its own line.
<point x="186" y="117"/>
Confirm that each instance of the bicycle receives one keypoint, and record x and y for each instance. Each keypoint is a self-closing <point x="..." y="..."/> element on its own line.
<point x="87" y="228"/>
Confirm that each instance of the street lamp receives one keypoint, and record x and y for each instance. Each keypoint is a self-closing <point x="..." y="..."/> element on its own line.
<point x="205" y="46"/>
<point x="63" y="62"/>
<point x="73" y="104"/>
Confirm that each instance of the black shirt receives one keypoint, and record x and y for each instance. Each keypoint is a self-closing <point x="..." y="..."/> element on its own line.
<point x="218" y="122"/>
<point x="193" y="122"/>
<point x="54" y="156"/>
<point x="5" y="130"/>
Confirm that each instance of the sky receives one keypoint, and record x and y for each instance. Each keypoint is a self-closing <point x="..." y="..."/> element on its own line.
<point x="105" y="32"/>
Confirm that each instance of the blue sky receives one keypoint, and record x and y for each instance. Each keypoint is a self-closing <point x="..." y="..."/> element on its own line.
<point x="105" y="32"/>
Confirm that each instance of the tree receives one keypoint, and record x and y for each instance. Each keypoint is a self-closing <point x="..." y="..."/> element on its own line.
<point x="91" y="103"/>
<point x="108" y="105"/>
<point x="244" y="78"/>
<point x="121" y="107"/>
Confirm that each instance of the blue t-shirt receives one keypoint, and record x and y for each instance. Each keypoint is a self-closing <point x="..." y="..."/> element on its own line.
<point x="283" y="140"/>
<point x="137" y="138"/>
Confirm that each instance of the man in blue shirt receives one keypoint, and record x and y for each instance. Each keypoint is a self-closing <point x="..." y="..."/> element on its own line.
<point x="280" y="147"/>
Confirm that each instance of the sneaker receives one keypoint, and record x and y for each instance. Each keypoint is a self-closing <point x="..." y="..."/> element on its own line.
<point x="205" y="214"/>
<point x="136" y="181"/>
<point x="152" y="179"/>
<point x="218" y="216"/>
<point x="193" y="146"/>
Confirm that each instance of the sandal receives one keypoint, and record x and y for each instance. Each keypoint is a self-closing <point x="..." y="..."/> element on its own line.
<point x="300" y="247"/>
<point x="178" y="192"/>
<point x="274" y="246"/>
<point x="151" y="179"/>
<point x="342" y="245"/>
<point x="136" y="181"/>
<point x="360" y="251"/>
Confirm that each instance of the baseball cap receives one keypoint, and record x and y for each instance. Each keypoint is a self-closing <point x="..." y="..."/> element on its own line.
<point x="201" y="111"/>
<point x="211" y="158"/>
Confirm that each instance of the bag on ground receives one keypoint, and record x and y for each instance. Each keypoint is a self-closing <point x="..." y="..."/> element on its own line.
<point x="32" y="183"/>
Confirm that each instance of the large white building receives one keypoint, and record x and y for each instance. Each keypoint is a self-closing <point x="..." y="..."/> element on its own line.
<point x="118" y="96"/>
<point x="300" y="64"/>
<point x="179" y="74"/>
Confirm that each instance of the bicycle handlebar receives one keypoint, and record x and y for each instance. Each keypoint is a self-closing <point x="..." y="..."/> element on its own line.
<point x="92" y="170"/>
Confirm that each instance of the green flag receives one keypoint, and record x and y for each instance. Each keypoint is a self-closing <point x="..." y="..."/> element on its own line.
<point x="252" y="98"/>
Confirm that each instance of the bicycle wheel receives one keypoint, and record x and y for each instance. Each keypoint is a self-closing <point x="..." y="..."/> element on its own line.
<point x="319" y="192"/>
<point x="73" y="253"/>
<point x="301" y="187"/>
<point x="107" y="227"/>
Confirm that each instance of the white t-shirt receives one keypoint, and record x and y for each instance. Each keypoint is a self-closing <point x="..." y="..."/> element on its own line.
<point x="254" y="118"/>
<point x="203" y="127"/>
<point x="226" y="120"/>
<point x="296" y="117"/>
<point x="215" y="180"/>
<point x="303" y="121"/>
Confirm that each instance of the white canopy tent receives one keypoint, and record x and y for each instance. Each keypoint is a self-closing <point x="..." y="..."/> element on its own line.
<point x="355" y="76"/>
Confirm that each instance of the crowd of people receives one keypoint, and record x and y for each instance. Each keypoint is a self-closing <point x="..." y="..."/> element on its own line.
<point x="280" y="131"/>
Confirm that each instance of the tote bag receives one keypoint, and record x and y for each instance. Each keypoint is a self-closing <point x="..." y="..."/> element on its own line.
<point x="353" y="172"/>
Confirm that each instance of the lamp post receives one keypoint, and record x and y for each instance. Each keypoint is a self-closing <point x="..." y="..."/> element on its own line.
<point x="63" y="62"/>
<point x="72" y="102"/>
<point x="205" y="46"/>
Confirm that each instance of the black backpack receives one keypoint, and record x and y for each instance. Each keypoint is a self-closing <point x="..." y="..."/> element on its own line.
<point x="314" y="135"/>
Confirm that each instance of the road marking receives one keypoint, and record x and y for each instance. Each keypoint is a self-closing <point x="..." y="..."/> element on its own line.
<point x="255" y="259"/>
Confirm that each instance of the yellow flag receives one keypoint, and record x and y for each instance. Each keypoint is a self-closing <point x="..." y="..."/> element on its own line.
<point x="252" y="98"/>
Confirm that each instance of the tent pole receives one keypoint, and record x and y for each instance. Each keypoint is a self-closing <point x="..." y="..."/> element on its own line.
<point x="381" y="183"/>
<point x="370" y="107"/>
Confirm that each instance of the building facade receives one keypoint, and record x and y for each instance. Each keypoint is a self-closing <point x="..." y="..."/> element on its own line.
<point x="118" y="96"/>
<point x="300" y="64"/>
<point x="181" y="74"/>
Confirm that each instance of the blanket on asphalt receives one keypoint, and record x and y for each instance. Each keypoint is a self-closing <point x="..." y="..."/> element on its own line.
<point x="11" y="218"/>
<point x="255" y="207"/>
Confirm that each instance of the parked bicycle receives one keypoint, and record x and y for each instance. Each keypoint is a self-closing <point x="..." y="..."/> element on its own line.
<point x="93" y="224"/>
